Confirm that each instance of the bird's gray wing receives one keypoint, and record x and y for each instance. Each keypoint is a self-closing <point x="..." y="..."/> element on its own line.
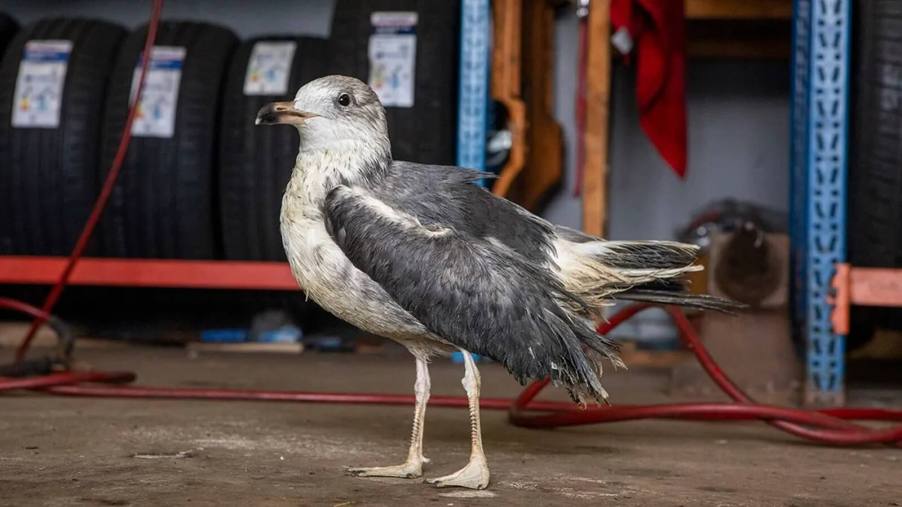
<point x="447" y="196"/>
<point x="480" y="296"/>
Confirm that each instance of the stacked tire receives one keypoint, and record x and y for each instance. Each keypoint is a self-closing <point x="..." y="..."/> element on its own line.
<point x="255" y="162"/>
<point x="875" y="173"/>
<point x="8" y="29"/>
<point x="426" y="131"/>
<point x="164" y="205"/>
<point x="49" y="131"/>
<point x="199" y="180"/>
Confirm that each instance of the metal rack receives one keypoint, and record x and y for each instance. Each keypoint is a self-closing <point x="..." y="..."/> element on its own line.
<point x="473" y="92"/>
<point x="819" y="127"/>
<point x="166" y="273"/>
<point x="475" y="48"/>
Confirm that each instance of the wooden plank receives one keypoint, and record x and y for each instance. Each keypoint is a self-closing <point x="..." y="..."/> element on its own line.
<point x="507" y="16"/>
<point x="247" y="347"/>
<point x="769" y="39"/>
<point x="764" y="49"/>
<point x="638" y="358"/>
<point x="598" y="94"/>
<point x="165" y="273"/>
<point x="542" y="169"/>
<point x="738" y="9"/>
<point x="506" y="85"/>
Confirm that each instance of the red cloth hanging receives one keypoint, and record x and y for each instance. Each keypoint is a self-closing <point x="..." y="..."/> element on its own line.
<point x="657" y="29"/>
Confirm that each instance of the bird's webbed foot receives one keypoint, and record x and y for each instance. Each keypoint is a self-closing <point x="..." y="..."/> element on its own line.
<point x="411" y="469"/>
<point x="474" y="476"/>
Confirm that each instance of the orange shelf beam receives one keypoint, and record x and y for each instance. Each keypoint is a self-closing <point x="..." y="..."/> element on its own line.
<point x="854" y="286"/>
<point x="165" y="273"/>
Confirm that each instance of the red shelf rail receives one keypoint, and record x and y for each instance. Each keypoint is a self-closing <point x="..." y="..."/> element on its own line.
<point x="165" y="273"/>
<point x="854" y="286"/>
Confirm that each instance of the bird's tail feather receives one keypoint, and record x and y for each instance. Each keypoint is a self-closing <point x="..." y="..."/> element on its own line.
<point x="646" y="256"/>
<point x="596" y="272"/>
<point x="599" y="271"/>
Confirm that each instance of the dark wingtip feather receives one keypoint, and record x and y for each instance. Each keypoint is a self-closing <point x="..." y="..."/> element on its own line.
<point x="700" y="301"/>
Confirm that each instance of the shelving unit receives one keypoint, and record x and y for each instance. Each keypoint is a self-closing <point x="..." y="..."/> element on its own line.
<point x="475" y="47"/>
<point x="473" y="98"/>
<point x="820" y="62"/>
<point x="819" y="126"/>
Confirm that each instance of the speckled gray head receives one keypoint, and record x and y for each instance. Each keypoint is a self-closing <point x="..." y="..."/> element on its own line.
<point x="332" y="112"/>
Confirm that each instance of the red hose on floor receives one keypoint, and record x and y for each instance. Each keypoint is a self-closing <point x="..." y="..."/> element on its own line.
<point x="828" y="426"/>
<point x="23" y="307"/>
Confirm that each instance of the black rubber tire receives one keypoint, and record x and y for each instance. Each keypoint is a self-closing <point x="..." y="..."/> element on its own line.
<point x="8" y="29"/>
<point x="48" y="175"/>
<point x="426" y="132"/>
<point x="256" y="162"/>
<point x="875" y="176"/>
<point x="164" y="203"/>
<point x="875" y="171"/>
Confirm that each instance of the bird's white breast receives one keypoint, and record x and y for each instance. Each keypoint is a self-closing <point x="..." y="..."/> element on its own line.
<point x="326" y="274"/>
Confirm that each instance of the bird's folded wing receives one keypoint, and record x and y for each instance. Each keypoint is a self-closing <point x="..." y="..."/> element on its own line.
<point x="476" y="294"/>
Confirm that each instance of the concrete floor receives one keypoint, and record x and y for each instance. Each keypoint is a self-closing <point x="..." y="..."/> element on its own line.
<point x="68" y="451"/>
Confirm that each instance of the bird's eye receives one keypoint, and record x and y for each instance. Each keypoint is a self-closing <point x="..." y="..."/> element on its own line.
<point x="344" y="100"/>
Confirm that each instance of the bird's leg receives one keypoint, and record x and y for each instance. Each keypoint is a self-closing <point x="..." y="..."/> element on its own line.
<point x="413" y="467"/>
<point x="475" y="474"/>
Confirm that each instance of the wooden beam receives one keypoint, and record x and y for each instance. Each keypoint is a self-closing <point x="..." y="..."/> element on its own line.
<point x="544" y="157"/>
<point x="735" y="49"/>
<point x="739" y="9"/>
<point x="743" y="38"/>
<point x="598" y="94"/>
<point x="506" y="85"/>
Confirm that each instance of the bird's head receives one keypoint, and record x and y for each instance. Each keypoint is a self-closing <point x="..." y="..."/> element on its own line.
<point x="333" y="112"/>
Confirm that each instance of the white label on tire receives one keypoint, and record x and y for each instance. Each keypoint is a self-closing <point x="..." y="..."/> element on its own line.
<point x="392" y="53"/>
<point x="269" y="67"/>
<point x="160" y="96"/>
<point x="39" y="85"/>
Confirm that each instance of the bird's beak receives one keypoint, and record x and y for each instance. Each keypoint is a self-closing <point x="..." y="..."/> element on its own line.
<point x="281" y="113"/>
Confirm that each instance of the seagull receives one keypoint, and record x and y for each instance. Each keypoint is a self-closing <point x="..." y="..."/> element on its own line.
<point x="423" y="255"/>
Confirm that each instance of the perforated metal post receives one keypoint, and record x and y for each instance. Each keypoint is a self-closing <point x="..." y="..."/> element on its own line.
<point x="473" y="98"/>
<point x="818" y="193"/>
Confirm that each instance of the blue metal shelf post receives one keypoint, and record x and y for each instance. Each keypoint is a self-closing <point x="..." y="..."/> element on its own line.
<point x="473" y="93"/>
<point x="821" y="34"/>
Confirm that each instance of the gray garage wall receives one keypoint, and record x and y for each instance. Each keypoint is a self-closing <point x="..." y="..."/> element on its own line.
<point x="738" y="143"/>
